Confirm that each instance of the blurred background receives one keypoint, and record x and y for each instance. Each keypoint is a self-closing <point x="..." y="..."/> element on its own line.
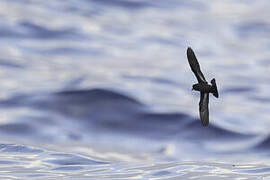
<point x="101" y="89"/>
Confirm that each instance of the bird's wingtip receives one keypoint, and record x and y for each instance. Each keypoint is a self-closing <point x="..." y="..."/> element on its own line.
<point x="205" y="124"/>
<point x="189" y="50"/>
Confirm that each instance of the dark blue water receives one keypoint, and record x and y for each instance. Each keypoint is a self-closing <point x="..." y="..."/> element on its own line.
<point x="101" y="89"/>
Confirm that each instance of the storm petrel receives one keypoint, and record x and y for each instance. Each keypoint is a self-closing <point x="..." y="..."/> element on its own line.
<point x="202" y="86"/>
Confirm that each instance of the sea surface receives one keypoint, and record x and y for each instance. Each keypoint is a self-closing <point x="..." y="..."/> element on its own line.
<point x="101" y="89"/>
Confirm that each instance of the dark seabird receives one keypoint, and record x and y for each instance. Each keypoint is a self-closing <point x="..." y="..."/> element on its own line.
<point x="202" y="86"/>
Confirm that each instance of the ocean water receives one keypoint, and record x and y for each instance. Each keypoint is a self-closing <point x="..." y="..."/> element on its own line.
<point x="101" y="89"/>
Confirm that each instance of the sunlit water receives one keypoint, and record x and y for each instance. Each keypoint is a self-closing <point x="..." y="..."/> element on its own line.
<point x="101" y="89"/>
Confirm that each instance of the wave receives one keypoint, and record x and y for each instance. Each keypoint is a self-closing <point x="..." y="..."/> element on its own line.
<point x="27" y="29"/>
<point x="101" y="109"/>
<point x="124" y="3"/>
<point x="263" y="144"/>
<point x="14" y="148"/>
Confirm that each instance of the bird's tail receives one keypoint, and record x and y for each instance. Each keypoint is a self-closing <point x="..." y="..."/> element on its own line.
<point x="214" y="89"/>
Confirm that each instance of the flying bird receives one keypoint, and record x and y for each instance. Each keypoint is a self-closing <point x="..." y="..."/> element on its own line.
<point x="202" y="86"/>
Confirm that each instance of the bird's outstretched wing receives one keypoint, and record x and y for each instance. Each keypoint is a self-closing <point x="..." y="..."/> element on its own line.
<point x="204" y="112"/>
<point x="195" y="67"/>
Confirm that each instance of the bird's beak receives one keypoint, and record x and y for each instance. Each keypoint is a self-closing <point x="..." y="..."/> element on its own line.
<point x="192" y="89"/>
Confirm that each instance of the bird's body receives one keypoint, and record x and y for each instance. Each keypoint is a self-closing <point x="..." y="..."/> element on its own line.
<point x="202" y="86"/>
